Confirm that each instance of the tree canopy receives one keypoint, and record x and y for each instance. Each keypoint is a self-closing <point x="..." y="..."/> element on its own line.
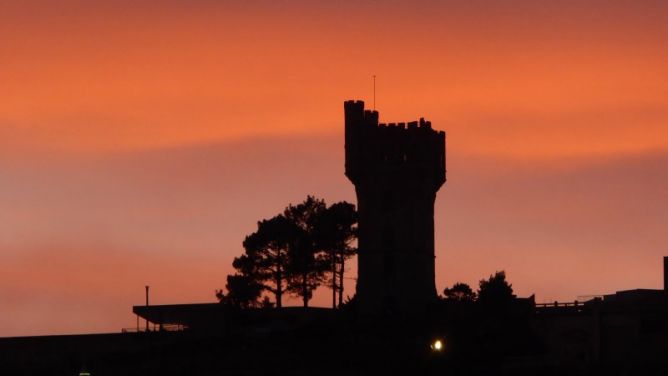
<point x="242" y="291"/>
<point x="293" y="252"/>
<point x="460" y="292"/>
<point x="265" y="260"/>
<point x="306" y="265"/>
<point x="495" y="289"/>
<point x="335" y="232"/>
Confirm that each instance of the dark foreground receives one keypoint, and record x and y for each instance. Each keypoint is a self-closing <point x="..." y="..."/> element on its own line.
<point x="514" y="341"/>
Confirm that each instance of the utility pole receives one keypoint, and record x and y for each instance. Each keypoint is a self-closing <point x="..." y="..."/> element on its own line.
<point x="147" y="305"/>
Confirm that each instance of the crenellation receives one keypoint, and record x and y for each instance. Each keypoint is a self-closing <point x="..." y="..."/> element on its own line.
<point x="371" y="118"/>
<point x="385" y="145"/>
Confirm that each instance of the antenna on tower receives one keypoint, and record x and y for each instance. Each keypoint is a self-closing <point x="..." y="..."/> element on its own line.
<point x="374" y="92"/>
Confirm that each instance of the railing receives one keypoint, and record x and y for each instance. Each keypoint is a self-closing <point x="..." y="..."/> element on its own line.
<point x="573" y="304"/>
<point x="162" y="328"/>
<point x="559" y="304"/>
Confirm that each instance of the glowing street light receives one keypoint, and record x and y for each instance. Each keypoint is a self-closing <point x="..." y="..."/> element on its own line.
<point x="437" y="345"/>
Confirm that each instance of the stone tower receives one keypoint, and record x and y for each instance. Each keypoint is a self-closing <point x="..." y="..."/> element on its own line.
<point x="397" y="169"/>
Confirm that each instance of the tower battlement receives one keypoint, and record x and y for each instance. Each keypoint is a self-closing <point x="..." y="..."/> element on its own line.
<point x="396" y="168"/>
<point x="406" y="150"/>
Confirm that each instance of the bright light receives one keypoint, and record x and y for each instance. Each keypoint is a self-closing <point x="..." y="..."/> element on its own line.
<point x="437" y="345"/>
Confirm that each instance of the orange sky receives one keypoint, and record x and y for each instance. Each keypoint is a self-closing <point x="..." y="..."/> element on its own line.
<point x="140" y="141"/>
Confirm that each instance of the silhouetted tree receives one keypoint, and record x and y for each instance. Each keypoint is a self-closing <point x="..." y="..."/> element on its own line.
<point x="243" y="288"/>
<point x="495" y="289"/>
<point x="459" y="292"/>
<point x="243" y="291"/>
<point x="335" y="231"/>
<point x="266" y="303"/>
<point x="350" y="303"/>
<point x="220" y="295"/>
<point x="266" y="254"/>
<point x="293" y="251"/>
<point x="306" y="266"/>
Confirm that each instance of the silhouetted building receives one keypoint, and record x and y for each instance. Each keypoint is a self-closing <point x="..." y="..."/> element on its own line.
<point x="625" y="329"/>
<point x="396" y="168"/>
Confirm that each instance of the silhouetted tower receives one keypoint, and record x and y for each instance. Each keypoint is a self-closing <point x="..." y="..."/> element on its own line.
<point x="397" y="170"/>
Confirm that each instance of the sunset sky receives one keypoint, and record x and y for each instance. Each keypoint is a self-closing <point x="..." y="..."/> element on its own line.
<point x="140" y="141"/>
